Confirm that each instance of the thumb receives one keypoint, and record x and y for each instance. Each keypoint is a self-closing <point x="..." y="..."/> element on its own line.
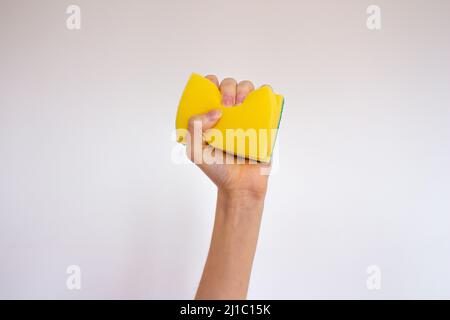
<point x="204" y="121"/>
<point x="197" y="125"/>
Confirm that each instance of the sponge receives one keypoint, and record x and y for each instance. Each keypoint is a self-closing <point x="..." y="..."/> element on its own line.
<point x="247" y="130"/>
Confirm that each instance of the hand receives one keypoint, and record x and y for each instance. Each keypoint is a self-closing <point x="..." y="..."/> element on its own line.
<point x="231" y="177"/>
<point x="242" y="187"/>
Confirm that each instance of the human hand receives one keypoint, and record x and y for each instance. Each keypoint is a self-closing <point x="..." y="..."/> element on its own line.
<point x="232" y="177"/>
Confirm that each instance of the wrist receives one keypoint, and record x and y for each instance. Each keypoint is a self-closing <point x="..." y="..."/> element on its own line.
<point x="240" y="195"/>
<point x="239" y="207"/>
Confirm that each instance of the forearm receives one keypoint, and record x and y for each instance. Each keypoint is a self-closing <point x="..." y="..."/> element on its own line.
<point x="228" y="267"/>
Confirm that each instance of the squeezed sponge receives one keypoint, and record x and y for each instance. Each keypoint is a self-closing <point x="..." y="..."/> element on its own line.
<point x="247" y="130"/>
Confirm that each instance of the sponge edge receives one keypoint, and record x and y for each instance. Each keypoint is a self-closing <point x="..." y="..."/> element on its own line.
<point x="248" y="130"/>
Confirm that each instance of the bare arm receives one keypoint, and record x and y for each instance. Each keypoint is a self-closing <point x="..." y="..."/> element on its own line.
<point x="233" y="245"/>
<point x="240" y="201"/>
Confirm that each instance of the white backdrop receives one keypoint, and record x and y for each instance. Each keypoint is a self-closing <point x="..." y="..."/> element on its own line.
<point x="86" y="170"/>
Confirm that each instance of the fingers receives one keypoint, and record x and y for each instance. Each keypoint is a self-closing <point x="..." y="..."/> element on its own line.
<point x="243" y="89"/>
<point x="196" y="126"/>
<point x="232" y="93"/>
<point x="228" y="90"/>
<point x="202" y="122"/>
<point x="213" y="79"/>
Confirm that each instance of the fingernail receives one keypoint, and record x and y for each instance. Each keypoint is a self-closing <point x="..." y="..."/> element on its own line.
<point x="240" y="98"/>
<point x="227" y="101"/>
<point x="214" y="114"/>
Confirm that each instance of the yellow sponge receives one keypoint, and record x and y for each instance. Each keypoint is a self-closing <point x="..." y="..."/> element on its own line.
<point x="247" y="130"/>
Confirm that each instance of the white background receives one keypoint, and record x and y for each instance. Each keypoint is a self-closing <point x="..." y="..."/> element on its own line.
<point x="86" y="119"/>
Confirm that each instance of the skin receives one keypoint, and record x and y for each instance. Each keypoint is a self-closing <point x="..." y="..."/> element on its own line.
<point x="241" y="189"/>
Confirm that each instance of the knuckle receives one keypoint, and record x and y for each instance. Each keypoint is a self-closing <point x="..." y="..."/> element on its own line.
<point x="228" y="81"/>
<point x="212" y="78"/>
<point x="246" y="84"/>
